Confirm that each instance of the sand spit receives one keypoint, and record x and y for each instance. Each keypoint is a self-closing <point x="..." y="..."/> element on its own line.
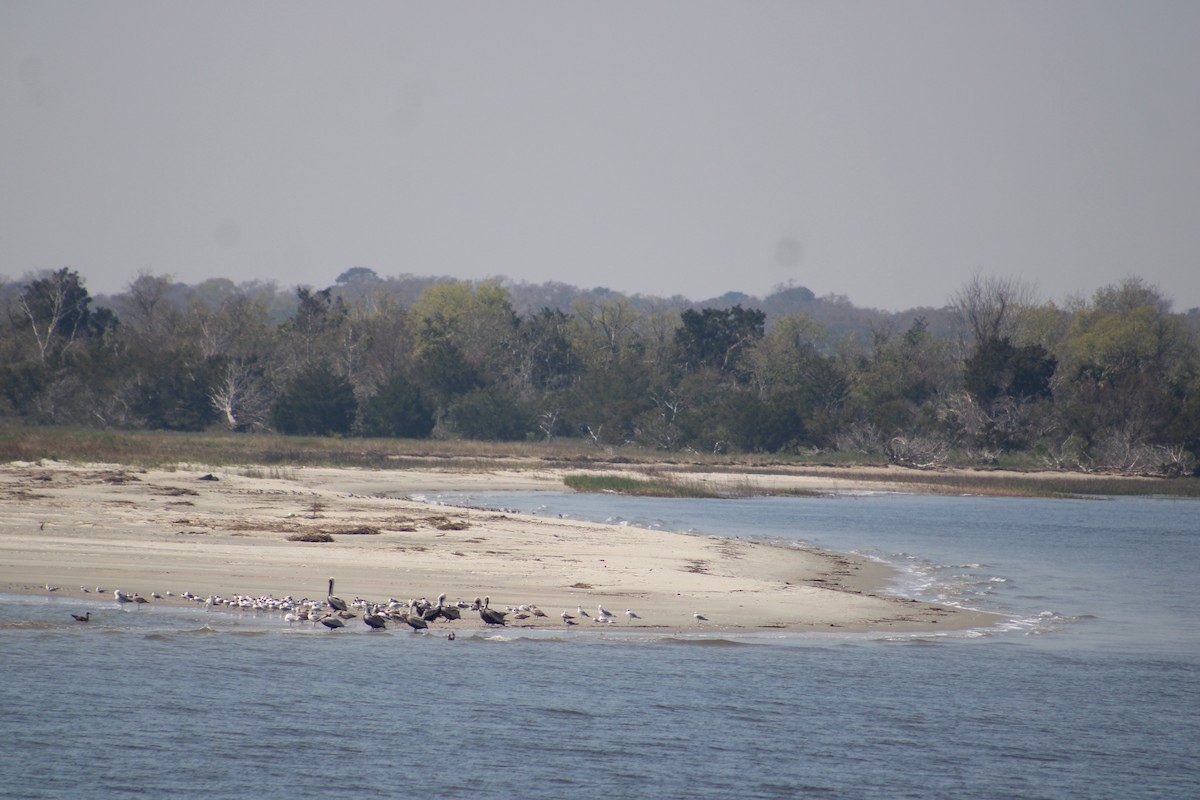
<point x="86" y="526"/>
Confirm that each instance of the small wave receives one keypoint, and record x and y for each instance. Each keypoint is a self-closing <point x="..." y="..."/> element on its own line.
<point x="567" y="712"/>
<point x="1044" y="622"/>
<point x="915" y="641"/>
<point x="706" y="642"/>
<point x="28" y="625"/>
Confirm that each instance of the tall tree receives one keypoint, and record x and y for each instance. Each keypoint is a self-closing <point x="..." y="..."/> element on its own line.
<point x="316" y="401"/>
<point x="1130" y="363"/>
<point x="717" y="337"/>
<point x="56" y="308"/>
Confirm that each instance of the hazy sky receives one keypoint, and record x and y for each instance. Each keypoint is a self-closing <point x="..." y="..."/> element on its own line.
<point x="881" y="150"/>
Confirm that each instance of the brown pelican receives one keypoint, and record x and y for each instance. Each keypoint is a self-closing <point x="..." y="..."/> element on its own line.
<point x="416" y="622"/>
<point x="336" y="603"/>
<point x="84" y="618"/>
<point x="332" y="622"/>
<point x="491" y="616"/>
<point x="374" y="620"/>
<point x="444" y="611"/>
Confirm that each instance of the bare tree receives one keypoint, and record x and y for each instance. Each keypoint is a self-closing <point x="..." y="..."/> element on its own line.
<point x="241" y="397"/>
<point x="990" y="307"/>
<point x="147" y="311"/>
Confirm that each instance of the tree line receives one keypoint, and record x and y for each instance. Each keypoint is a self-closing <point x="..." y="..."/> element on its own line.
<point x="1110" y="382"/>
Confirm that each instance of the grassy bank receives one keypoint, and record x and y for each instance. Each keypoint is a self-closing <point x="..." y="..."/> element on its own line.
<point x="650" y="486"/>
<point x="278" y="453"/>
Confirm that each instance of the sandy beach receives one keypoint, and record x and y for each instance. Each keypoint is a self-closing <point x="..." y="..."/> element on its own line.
<point x="78" y="527"/>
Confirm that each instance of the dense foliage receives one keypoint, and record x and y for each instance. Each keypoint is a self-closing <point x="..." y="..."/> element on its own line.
<point x="1112" y="382"/>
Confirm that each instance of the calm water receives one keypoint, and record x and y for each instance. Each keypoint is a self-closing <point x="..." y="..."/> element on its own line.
<point x="1091" y="690"/>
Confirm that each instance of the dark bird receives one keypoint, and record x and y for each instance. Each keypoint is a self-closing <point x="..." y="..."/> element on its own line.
<point x="336" y="603"/>
<point x="489" y="615"/>
<point x="332" y="622"/>
<point x="442" y="610"/>
<point x="416" y="622"/>
<point x="82" y="618"/>
<point x="374" y="620"/>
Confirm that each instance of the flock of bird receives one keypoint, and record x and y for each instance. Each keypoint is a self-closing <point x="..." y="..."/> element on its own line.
<point x="333" y="612"/>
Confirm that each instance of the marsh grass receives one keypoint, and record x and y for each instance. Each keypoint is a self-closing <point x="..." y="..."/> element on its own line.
<point x="649" y="486"/>
<point x="1039" y="485"/>
<point x="276" y="456"/>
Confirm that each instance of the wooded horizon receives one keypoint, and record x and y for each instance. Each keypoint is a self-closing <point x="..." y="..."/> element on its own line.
<point x="1110" y="382"/>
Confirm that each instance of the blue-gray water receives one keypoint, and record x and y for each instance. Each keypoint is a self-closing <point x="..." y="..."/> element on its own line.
<point x="1091" y="691"/>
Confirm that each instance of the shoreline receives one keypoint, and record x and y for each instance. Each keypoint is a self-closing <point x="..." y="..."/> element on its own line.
<point x="76" y="526"/>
